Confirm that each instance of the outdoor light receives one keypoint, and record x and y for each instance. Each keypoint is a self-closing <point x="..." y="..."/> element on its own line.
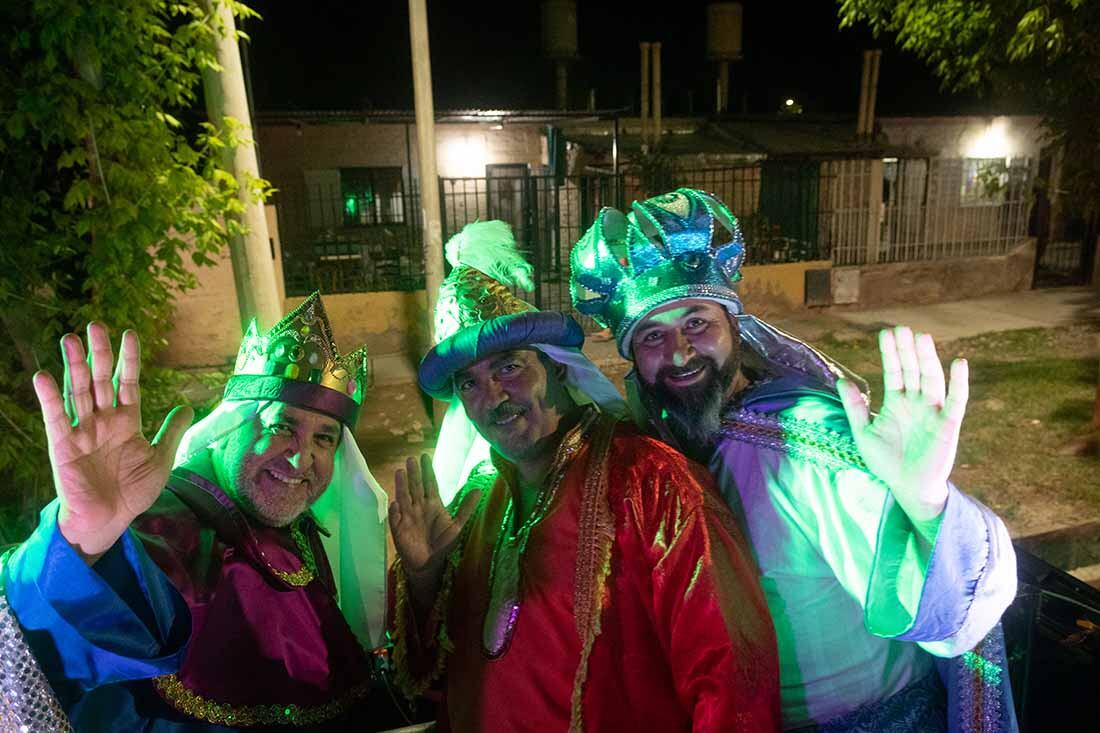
<point x="464" y="156"/>
<point x="993" y="142"/>
<point x="789" y="102"/>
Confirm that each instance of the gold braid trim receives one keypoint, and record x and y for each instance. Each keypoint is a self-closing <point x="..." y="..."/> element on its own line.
<point x="481" y="478"/>
<point x="595" y="536"/>
<point x="172" y="689"/>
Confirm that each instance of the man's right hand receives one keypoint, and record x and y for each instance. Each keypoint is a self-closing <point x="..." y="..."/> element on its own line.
<point x="105" y="471"/>
<point x="424" y="532"/>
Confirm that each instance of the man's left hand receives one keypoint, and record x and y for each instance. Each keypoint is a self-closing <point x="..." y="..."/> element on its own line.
<point x="910" y="444"/>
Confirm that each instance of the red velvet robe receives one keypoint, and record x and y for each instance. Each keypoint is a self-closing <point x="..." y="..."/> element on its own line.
<point x="681" y="638"/>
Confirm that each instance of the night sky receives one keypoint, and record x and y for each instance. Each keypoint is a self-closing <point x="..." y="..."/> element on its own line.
<point x="353" y="54"/>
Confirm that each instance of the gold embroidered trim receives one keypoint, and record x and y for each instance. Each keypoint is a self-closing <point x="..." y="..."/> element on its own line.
<point x="172" y="689"/>
<point x="802" y="439"/>
<point x="595" y="536"/>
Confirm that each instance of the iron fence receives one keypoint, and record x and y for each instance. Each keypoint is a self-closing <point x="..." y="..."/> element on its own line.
<point x="348" y="244"/>
<point x="548" y="215"/>
<point x="850" y="211"/>
<point x="775" y="203"/>
<point x="1062" y="258"/>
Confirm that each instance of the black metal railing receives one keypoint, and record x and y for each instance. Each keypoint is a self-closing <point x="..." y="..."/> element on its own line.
<point x="339" y="245"/>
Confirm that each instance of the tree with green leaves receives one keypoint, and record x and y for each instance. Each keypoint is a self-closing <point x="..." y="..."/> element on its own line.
<point x="109" y="183"/>
<point x="1045" y="51"/>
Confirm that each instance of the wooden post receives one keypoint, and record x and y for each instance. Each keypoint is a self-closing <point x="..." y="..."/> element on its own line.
<point x="425" y="148"/>
<point x="250" y="253"/>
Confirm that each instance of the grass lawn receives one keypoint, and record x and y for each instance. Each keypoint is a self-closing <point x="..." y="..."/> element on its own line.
<point x="1031" y="393"/>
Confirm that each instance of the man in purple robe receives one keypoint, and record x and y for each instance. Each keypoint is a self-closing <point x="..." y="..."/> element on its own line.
<point x="222" y="577"/>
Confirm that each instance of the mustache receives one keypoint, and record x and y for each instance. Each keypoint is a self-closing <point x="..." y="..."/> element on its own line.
<point x="505" y="410"/>
<point x="697" y="362"/>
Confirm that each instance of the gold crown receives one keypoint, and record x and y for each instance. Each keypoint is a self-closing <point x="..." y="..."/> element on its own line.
<point x="299" y="350"/>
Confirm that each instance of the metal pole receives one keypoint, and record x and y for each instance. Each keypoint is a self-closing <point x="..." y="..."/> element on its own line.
<point x="250" y="253"/>
<point x="723" y="86"/>
<point x="561" y="74"/>
<point x="425" y="148"/>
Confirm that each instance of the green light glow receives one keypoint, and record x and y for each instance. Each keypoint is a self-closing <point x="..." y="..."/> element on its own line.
<point x="989" y="672"/>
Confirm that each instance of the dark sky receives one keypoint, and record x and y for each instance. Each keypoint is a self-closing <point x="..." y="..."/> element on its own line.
<point x="354" y="54"/>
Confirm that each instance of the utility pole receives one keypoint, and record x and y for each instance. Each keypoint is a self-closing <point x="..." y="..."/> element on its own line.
<point x="425" y="147"/>
<point x="253" y="261"/>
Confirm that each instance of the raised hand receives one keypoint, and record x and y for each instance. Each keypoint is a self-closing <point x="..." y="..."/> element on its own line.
<point x="106" y="473"/>
<point x="910" y="445"/>
<point x="424" y="532"/>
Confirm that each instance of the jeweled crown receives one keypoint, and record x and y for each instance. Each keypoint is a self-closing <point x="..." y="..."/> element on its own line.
<point x="683" y="244"/>
<point x="297" y="359"/>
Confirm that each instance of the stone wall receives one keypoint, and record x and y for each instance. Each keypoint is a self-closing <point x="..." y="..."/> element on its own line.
<point x="875" y="286"/>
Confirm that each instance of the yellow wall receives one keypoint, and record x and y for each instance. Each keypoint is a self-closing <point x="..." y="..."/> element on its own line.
<point x="206" y="331"/>
<point x="768" y="289"/>
<point x="388" y="322"/>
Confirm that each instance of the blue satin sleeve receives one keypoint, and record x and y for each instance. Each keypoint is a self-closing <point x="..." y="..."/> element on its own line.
<point x="116" y="621"/>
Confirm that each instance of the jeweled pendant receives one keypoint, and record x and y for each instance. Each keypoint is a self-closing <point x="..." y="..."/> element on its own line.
<point x="503" y="610"/>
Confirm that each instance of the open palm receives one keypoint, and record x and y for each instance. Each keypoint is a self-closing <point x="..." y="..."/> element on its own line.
<point x="105" y="471"/>
<point x="424" y="532"/>
<point x="911" y="443"/>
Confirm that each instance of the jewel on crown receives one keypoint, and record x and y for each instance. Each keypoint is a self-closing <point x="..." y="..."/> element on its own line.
<point x="300" y="347"/>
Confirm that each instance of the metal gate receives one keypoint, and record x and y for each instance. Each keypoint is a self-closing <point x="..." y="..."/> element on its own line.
<point x="548" y="215"/>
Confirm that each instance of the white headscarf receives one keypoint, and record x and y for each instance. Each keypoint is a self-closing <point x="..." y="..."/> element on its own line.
<point x="352" y="509"/>
<point x="460" y="448"/>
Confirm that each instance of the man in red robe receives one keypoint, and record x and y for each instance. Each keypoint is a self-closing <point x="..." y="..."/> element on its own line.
<point x="587" y="577"/>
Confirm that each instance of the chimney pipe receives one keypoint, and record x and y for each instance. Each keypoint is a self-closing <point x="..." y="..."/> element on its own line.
<point x="657" y="93"/>
<point x="869" y="123"/>
<point x="644" y="115"/>
<point x="561" y="74"/>
<point x="865" y="78"/>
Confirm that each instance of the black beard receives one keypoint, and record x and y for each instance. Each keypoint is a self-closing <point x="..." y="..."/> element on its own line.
<point x="692" y="414"/>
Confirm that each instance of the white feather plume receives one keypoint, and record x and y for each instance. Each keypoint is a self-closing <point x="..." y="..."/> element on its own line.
<point x="489" y="246"/>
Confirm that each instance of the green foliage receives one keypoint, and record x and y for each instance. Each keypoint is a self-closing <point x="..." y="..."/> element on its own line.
<point x="1044" y="51"/>
<point x="107" y="192"/>
<point x="992" y="178"/>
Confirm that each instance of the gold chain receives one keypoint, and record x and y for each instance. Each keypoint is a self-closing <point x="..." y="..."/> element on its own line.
<point x="305" y="574"/>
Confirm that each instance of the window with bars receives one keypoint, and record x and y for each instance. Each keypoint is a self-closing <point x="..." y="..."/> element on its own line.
<point x="372" y="196"/>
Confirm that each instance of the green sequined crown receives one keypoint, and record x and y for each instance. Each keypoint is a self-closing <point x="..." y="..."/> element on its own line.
<point x="683" y="244"/>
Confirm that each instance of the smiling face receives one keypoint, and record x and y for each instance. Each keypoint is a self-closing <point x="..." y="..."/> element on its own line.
<point x="516" y="399"/>
<point x="686" y="354"/>
<point x="280" y="462"/>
